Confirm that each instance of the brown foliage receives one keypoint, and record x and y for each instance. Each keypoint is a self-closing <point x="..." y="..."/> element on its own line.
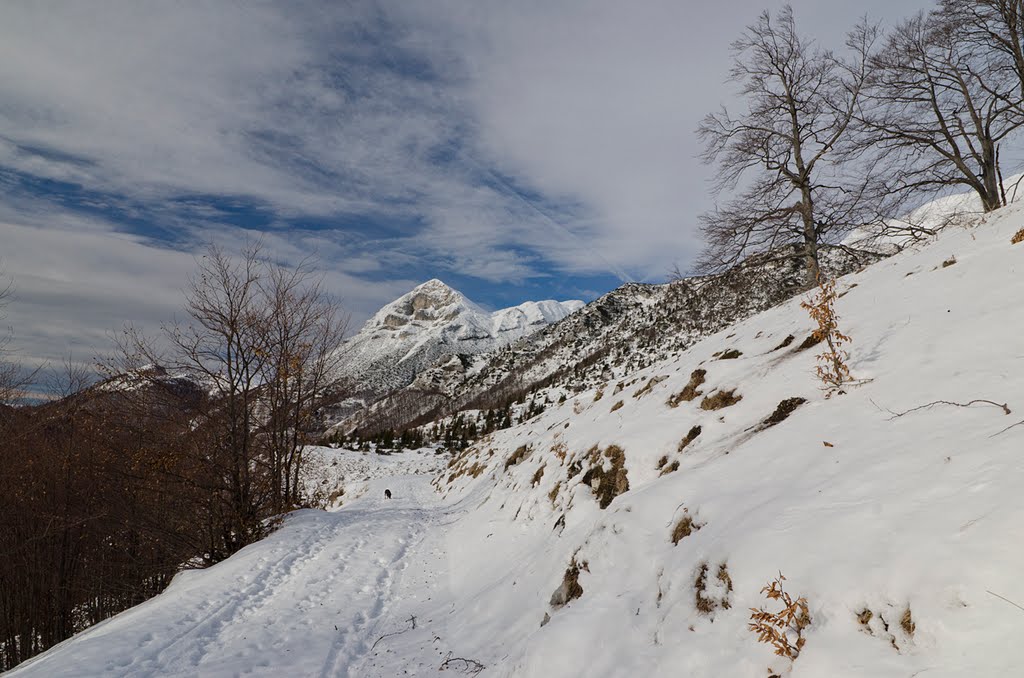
<point x="782" y="629"/>
<point x="832" y="368"/>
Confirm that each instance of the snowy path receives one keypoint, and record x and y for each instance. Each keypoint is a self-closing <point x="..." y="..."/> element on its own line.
<point x="310" y="600"/>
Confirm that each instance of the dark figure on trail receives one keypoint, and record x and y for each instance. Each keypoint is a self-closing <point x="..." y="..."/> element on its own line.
<point x="387" y="494"/>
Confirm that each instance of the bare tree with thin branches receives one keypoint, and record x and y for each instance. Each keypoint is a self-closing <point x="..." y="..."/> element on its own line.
<point x="938" y="107"/>
<point x="262" y="340"/>
<point x="996" y="25"/>
<point x="14" y="378"/>
<point x="787" y="154"/>
<point x="302" y="333"/>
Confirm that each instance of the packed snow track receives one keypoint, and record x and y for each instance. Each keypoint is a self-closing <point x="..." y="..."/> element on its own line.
<point x="312" y="599"/>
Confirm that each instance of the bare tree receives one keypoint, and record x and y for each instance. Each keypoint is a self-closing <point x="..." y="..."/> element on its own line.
<point x="996" y="25"/>
<point x="302" y="334"/>
<point x="262" y="342"/>
<point x="786" y="153"/>
<point x="14" y="378"/>
<point x="937" y="109"/>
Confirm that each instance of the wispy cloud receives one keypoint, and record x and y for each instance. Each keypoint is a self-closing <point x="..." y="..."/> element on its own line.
<point x="546" y="146"/>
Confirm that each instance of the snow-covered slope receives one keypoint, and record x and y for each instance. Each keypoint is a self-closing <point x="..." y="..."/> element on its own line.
<point x="430" y="323"/>
<point x="614" y="336"/>
<point x="591" y="541"/>
<point x="898" y="525"/>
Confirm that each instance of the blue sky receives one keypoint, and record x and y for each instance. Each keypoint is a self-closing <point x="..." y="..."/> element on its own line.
<point x="518" y="151"/>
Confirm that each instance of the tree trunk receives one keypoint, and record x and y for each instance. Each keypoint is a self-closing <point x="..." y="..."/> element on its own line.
<point x="810" y="236"/>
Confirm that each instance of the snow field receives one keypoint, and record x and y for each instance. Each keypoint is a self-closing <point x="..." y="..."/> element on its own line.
<point x="915" y="512"/>
<point x="868" y="514"/>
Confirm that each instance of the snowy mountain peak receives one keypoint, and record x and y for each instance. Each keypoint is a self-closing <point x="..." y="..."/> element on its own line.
<point x="429" y="324"/>
<point x="433" y="301"/>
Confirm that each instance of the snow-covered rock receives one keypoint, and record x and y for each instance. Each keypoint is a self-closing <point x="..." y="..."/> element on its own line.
<point x="430" y="324"/>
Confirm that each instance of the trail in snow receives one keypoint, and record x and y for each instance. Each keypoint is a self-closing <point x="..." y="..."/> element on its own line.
<point x="310" y="600"/>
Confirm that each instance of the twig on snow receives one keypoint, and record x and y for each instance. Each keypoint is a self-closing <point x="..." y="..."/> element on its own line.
<point x="470" y="666"/>
<point x="1002" y="406"/>
<point x="411" y="619"/>
<point x="1005" y="599"/>
<point x="1019" y="423"/>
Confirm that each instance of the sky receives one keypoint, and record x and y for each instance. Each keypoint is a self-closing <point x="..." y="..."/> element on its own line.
<point x="516" y="150"/>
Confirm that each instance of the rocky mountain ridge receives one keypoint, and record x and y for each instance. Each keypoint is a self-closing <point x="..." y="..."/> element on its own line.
<point x="429" y="326"/>
<point x="614" y="336"/>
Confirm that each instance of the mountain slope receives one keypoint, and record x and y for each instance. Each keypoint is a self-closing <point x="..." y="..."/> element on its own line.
<point x="429" y="324"/>
<point x="895" y="523"/>
<point x="550" y="551"/>
<point x="614" y="336"/>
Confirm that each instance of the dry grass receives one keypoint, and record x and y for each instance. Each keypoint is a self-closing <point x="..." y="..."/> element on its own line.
<point x="521" y="453"/>
<point x="706" y="601"/>
<point x="949" y="262"/>
<point x="1017" y="237"/>
<point x="651" y="383"/>
<point x="570" y="588"/>
<point x="785" y="342"/>
<point x="606" y="483"/>
<point x="720" y="399"/>
<point x="864" y="618"/>
<point x="559" y="449"/>
<point x="599" y="394"/>
<point x="907" y="623"/>
<point x="689" y="438"/>
<point x="685" y="527"/>
<point x="616" y="406"/>
<point x="689" y="392"/>
<point x="553" y="494"/>
<point x="782" y="412"/>
<point x="671" y="468"/>
<point x="537" y="475"/>
<point x="810" y="342"/>
<point x="730" y="354"/>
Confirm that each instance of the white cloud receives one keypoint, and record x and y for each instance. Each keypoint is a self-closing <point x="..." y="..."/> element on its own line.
<point x="567" y="128"/>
